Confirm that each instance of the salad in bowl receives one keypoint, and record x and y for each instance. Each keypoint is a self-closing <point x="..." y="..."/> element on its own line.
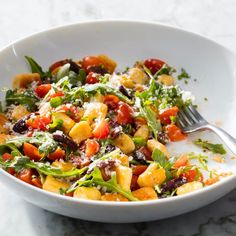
<point x="84" y="130"/>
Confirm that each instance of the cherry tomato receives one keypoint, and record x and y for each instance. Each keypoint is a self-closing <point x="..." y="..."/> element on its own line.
<point x="181" y="161"/>
<point x="90" y="61"/>
<point x="7" y="156"/>
<point x="57" y="94"/>
<point x="139" y="169"/>
<point x="153" y="64"/>
<point x="11" y="170"/>
<point x="175" y="134"/>
<point x="92" y="78"/>
<point x="39" y="122"/>
<point x="32" y="152"/>
<point x="42" y="90"/>
<point x="56" y="155"/>
<point x="111" y="101"/>
<point x="92" y="147"/>
<point x="101" y="130"/>
<point x="165" y="114"/>
<point x="146" y="152"/>
<point x="124" y="114"/>
<point x="36" y="182"/>
<point x="25" y="175"/>
<point x="191" y="175"/>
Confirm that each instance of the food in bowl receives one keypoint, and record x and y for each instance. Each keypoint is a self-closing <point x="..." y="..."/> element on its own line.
<point x="83" y="130"/>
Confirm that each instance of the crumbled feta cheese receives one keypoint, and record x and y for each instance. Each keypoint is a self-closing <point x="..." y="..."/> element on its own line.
<point x="187" y="95"/>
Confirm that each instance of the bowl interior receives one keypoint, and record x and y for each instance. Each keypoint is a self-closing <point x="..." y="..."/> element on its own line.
<point x="212" y="67"/>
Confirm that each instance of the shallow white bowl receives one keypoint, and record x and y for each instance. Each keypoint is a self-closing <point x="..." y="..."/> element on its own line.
<point x="212" y="65"/>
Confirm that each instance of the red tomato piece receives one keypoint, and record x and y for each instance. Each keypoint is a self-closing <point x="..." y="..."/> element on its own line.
<point x="92" y="78"/>
<point x="153" y="65"/>
<point x="175" y="134"/>
<point x="89" y="61"/>
<point x="36" y="182"/>
<point x="25" y="175"/>
<point x="92" y="147"/>
<point x="39" y="122"/>
<point x="167" y="113"/>
<point x="191" y="175"/>
<point x="7" y="156"/>
<point x="11" y="170"/>
<point x="32" y="152"/>
<point x="42" y="90"/>
<point x="101" y="130"/>
<point x="56" y="155"/>
<point x="181" y="161"/>
<point x="134" y="183"/>
<point x="139" y="169"/>
<point x="111" y="101"/>
<point x="57" y="94"/>
<point x="124" y="114"/>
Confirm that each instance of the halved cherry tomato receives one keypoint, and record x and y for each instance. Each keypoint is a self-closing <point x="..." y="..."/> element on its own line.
<point x="32" y="152"/>
<point x="101" y="130"/>
<point x="165" y="114"/>
<point x="92" y="147"/>
<point x="139" y="169"/>
<point x="111" y="101"/>
<point x="124" y="114"/>
<point x="25" y="175"/>
<point x="7" y="156"/>
<point x="70" y="194"/>
<point x="39" y="122"/>
<point x="181" y="161"/>
<point x="146" y="152"/>
<point x="57" y="94"/>
<point x="11" y="170"/>
<point x="56" y="155"/>
<point x="36" y="182"/>
<point x="175" y="134"/>
<point x="90" y="61"/>
<point x="153" y="64"/>
<point x="42" y="90"/>
<point x="92" y="78"/>
<point x="191" y="175"/>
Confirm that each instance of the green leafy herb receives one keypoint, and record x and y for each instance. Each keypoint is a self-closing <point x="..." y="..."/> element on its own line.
<point x="215" y="148"/>
<point x="56" y="124"/>
<point x="183" y="75"/>
<point x="23" y="162"/>
<point x="95" y="178"/>
<point x="36" y="68"/>
<point x="26" y="98"/>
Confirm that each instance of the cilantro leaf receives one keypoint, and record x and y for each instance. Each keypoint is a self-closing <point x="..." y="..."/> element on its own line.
<point x="215" y="148"/>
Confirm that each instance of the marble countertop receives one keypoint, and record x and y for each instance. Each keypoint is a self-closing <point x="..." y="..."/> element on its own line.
<point x="214" y="19"/>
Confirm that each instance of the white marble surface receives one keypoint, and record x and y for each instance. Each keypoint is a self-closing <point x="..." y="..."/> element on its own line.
<point x="214" y="19"/>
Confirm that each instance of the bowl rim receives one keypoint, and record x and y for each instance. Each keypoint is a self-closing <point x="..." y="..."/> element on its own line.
<point x="113" y="203"/>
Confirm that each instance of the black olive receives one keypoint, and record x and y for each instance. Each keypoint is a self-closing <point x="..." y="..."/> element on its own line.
<point x="74" y="66"/>
<point x="98" y="69"/>
<point x="123" y="90"/>
<point x="173" y="184"/>
<point x="140" y="157"/>
<point x="62" y="138"/>
<point x="109" y="148"/>
<point x="20" y="126"/>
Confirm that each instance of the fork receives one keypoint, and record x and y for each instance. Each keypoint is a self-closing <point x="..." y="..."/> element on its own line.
<point x="189" y="120"/>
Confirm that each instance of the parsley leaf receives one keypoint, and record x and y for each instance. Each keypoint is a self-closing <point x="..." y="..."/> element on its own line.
<point x="215" y="148"/>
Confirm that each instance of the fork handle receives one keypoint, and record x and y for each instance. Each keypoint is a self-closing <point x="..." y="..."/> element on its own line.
<point x="225" y="137"/>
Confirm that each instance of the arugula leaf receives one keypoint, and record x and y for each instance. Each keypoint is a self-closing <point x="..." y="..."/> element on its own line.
<point x="159" y="157"/>
<point x="104" y="88"/>
<point x="95" y="178"/>
<point x="153" y="123"/>
<point x="36" y="68"/>
<point x="10" y="147"/>
<point x="23" y="162"/>
<point x="44" y="140"/>
<point x="26" y="98"/>
<point x="215" y="148"/>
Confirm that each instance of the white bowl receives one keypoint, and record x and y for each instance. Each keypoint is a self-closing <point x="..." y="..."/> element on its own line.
<point x="125" y="41"/>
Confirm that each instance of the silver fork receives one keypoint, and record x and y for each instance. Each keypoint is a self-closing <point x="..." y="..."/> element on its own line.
<point x="189" y="120"/>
